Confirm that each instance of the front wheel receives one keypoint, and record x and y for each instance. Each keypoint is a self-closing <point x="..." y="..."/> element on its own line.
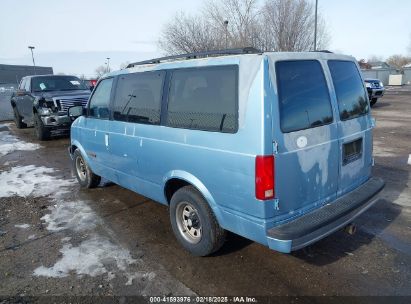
<point x="84" y="175"/>
<point x="373" y="101"/>
<point x="194" y="223"/>
<point x="41" y="131"/>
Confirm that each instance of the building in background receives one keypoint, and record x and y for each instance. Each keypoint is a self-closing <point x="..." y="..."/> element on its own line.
<point x="12" y="74"/>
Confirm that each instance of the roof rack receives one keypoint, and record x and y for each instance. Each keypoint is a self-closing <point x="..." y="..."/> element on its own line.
<point x="246" y="50"/>
<point x="323" y="51"/>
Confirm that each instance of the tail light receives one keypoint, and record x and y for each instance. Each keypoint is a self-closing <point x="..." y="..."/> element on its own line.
<point x="264" y="177"/>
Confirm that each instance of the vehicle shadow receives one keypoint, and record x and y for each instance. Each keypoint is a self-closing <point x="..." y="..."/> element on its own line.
<point x="232" y="244"/>
<point x="369" y="225"/>
<point x="381" y="105"/>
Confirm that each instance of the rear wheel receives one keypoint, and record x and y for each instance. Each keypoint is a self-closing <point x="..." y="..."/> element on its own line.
<point x="194" y="223"/>
<point x="41" y="131"/>
<point x="84" y="175"/>
<point x="18" y="120"/>
<point x="373" y="101"/>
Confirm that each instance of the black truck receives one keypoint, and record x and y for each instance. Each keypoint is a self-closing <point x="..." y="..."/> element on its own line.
<point x="43" y="101"/>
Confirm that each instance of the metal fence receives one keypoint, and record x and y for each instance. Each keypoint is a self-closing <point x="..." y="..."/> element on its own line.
<point x="6" y="111"/>
<point x="407" y="76"/>
<point x="381" y="74"/>
<point x="384" y="74"/>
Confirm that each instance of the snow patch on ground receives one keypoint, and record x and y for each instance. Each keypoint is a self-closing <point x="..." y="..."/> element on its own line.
<point x="93" y="257"/>
<point x="32" y="181"/>
<point x="10" y="143"/>
<point x="77" y="216"/>
<point x="22" y="226"/>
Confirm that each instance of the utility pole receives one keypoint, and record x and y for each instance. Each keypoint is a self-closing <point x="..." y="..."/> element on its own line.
<point x="315" y="26"/>
<point x="226" y="33"/>
<point x="32" y="56"/>
<point x="108" y="64"/>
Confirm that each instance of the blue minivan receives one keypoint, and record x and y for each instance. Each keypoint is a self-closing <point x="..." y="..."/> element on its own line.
<point x="275" y="147"/>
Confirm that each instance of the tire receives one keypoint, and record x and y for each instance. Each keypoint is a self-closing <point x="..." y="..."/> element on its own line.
<point x="188" y="209"/>
<point x="41" y="131"/>
<point x="85" y="177"/>
<point x="373" y="101"/>
<point x="18" y="120"/>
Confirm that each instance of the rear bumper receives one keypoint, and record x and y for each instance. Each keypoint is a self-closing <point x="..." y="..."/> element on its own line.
<point x="319" y="223"/>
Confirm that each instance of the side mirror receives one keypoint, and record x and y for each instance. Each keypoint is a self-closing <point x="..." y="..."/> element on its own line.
<point x="91" y="88"/>
<point x="74" y="112"/>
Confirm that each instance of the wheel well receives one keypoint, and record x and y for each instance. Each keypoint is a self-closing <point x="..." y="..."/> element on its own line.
<point x="172" y="186"/>
<point x="73" y="148"/>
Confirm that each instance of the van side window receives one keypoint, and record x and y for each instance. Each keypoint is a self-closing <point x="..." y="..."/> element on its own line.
<point x="204" y="99"/>
<point x="304" y="99"/>
<point x="138" y="97"/>
<point x="99" y="102"/>
<point x="351" y="96"/>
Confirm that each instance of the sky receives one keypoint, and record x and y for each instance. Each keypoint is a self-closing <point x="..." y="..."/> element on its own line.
<point x="76" y="36"/>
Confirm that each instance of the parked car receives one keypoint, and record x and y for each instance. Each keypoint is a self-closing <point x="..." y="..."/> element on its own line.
<point x="375" y="89"/>
<point x="276" y="147"/>
<point x="90" y="83"/>
<point x="43" y="101"/>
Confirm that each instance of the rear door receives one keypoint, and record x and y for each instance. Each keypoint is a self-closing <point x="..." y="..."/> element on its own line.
<point x="354" y="125"/>
<point x="306" y="133"/>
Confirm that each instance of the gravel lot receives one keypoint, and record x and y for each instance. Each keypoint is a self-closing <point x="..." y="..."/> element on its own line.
<point x="56" y="239"/>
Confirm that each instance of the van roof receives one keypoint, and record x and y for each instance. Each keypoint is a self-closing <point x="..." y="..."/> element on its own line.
<point x="222" y="57"/>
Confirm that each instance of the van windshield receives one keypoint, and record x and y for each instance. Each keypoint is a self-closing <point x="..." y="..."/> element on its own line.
<point x="303" y="95"/>
<point x="351" y="96"/>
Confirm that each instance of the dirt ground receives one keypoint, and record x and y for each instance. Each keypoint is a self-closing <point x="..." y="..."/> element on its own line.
<point x="56" y="239"/>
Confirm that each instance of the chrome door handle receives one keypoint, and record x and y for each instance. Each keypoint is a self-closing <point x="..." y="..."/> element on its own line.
<point x="106" y="140"/>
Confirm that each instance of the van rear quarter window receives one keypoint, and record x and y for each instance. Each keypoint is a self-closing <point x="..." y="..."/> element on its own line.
<point x="204" y="99"/>
<point x="304" y="100"/>
<point x="138" y="97"/>
<point x="351" y="96"/>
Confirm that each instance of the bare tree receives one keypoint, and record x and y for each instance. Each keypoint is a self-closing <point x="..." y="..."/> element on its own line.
<point x="235" y="22"/>
<point x="186" y="34"/>
<point x="289" y="25"/>
<point x="276" y="25"/>
<point x="101" y="70"/>
<point x="398" y="61"/>
<point x="374" y="58"/>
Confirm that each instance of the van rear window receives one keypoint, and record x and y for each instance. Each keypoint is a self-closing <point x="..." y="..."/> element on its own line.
<point x="304" y="100"/>
<point x="351" y="96"/>
<point x="204" y="99"/>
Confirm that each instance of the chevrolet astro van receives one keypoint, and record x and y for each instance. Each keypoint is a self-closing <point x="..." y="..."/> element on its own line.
<point x="275" y="147"/>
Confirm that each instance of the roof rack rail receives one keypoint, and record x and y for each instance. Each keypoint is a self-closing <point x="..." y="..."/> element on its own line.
<point x="323" y="51"/>
<point x="239" y="51"/>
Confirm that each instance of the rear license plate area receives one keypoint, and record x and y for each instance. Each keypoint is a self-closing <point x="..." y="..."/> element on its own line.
<point x="352" y="151"/>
